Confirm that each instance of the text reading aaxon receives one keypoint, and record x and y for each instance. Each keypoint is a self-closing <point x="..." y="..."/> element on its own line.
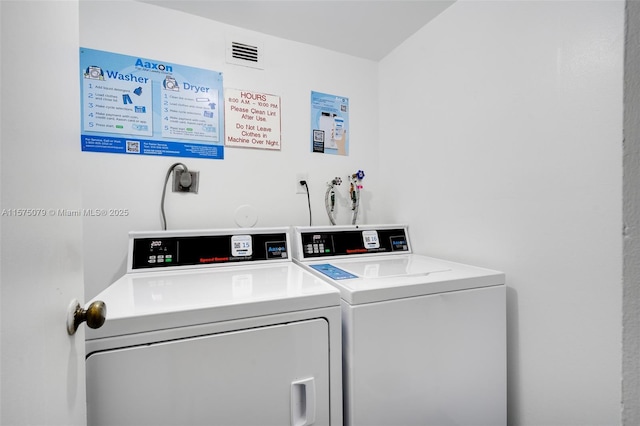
<point x="153" y="66"/>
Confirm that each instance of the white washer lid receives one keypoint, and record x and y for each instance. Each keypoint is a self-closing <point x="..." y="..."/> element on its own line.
<point x="151" y="301"/>
<point x="367" y="279"/>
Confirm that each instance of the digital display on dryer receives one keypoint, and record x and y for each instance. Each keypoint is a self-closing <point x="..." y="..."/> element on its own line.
<point x="160" y="252"/>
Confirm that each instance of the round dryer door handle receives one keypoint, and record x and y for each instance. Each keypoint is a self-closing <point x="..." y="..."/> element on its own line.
<point x="94" y="315"/>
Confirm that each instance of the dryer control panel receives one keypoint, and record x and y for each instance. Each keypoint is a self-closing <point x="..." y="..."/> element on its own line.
<point x="352" y="241"/>
<point x="160" y="251"/>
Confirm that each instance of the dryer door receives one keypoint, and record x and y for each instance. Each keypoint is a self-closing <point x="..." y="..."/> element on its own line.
<point x="276" y="375"/>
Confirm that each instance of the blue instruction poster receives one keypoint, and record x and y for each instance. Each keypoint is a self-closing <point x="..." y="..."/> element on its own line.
<point x="329" y="124"/>
<point x="134" y="105"/>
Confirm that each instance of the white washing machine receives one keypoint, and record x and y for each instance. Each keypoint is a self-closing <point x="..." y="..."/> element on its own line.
<point x="424" y="339"/>
<point x="215" y="327"/>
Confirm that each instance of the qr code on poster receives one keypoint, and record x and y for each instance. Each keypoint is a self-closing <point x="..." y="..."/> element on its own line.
<point x="133" y="147"/>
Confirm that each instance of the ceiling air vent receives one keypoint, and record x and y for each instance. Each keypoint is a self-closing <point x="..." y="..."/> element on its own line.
<point x="244" y="53"/>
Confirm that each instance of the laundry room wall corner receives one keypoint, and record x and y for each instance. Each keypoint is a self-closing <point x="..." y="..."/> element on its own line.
<point x="511" y="134"/>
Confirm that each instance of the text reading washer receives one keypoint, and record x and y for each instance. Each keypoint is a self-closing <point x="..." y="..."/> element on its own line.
<point x="215" y="327"/>
<point x="424" y="339"/>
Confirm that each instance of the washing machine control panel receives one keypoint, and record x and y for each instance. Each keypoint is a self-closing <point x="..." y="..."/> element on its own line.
<point x="353" y="242"/>
<point x="159" y="252"/>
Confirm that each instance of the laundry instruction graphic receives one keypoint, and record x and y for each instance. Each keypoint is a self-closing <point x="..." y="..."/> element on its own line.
<point x="132" y="105"/>
<point x="329" y="124"/>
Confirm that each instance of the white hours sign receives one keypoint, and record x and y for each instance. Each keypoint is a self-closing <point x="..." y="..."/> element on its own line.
<point x="252" y="120"/>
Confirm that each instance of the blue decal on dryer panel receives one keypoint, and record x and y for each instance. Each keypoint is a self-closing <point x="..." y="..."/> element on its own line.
<point x="333" y="272"/>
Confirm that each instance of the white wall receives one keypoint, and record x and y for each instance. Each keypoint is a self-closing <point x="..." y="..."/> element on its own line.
<point x="262" y="179"/>
<point x="506" y="118"/>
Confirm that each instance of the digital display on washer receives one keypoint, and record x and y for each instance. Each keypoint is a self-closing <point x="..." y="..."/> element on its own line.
<point x="210" y="249"/>
<point x="339" y="243"/>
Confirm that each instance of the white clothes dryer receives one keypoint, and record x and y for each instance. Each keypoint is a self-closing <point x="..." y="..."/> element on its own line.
<point x="215" y="327"/>
<point x="424" y="339"/>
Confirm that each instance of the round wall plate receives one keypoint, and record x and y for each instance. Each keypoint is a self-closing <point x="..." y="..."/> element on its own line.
<point x="246" y="216"/>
